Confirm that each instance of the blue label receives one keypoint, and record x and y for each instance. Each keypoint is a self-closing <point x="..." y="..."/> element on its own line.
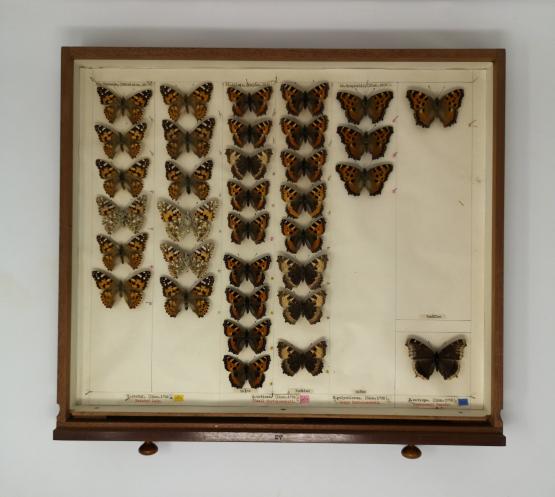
<point x="463" y="402"/>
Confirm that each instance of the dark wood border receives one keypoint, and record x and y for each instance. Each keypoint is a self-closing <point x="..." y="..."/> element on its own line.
<point x="273" y="428"/>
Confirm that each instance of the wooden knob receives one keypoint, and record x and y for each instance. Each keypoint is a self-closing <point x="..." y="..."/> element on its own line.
<point x="411" y="452"/>
<point x="148" y="449"/>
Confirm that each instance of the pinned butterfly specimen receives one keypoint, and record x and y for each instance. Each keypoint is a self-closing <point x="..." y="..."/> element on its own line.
<point x="357" y="142"/>
<point x="256" y="102"/>
<point x="179" y="221"/>
<point x="294" y="359"/>
<point x="247" y="271"/>
<point x="358" y="178"/>
<point x="445" y="359"/>
<point x="294" y="272"/>
<point x="115" y="217"/>
<point x="178" y="297"/>
<point x="297" y="166"/>
<point x="240" y="372"/>
<point x="356" y="108"/>
<point x="179" y="259"/>
<point x="194" y="103"/>
<point x="240" y="337"/>
<point x="296" y="237"/>
<point x="196" y="182"/>
<point x="295" y="307"/>
<point x="242" y="196"/>
<point x="112" y="288"/>
<point x="297" y="202"/>
<point x="197" y="140"/>
<point x="241" y="303"/>
<point x="242" y="164"/>
<point x="244" y="133"/>
<point x="255" y="229"/>
<point x="426" y="108"/>
<point x="130" y="252"/>
<point x="296" y="99"/>
<point x="130" y="179"/>
<point x="133" y="106"/>
<point x="296" y="133"/>
<point x="114" y="141"/>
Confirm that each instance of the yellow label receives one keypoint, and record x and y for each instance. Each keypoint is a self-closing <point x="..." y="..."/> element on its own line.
<point x="178" y="397"/>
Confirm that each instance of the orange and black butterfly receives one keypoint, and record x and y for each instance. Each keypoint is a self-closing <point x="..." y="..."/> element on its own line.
<point x="241" y="337"/>
<point x="256" y="102"/>
<point x="240" y="372"/>
<point x="130" y="179"/>
<point x="178" y="297"/>
<point x="296" y="99"/>
<point x="196" y="182"/>
<point x="356" y="108"/>
<point x="297" y="202"/>
<point x="112" y="288"/>
<point x="130" y="252"/>
<point x="179" y="259"/>
<point x="358" y="178"/>
<point x="114" y="217"/>
<point x="296" y="133"/>
<point x="240" y="270"/>
<point x="297" y="166"/>
<point x="296" y="237"/>
<point x="180" y="222"/>
<point x="242" y="197"/>
<point x="311" y="272"/>
<point x="197" y="140"/>
<point x="295" y="307"/>
<point x="115" y="141"/>
<point x="244" y="133"/>
<point x="133" y="106"/>
<point x="194" y="103"/>
<point x="241" y="303"/>
<point x="255" y="229"/>
<point x="426" y="360"/>
<point x="426" y="108"/>
<point x="294" y="359"/>
<point x="243" y="164"/>
<point x="357" y="142"/>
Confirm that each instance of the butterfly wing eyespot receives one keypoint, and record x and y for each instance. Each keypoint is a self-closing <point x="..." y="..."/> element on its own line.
<point x="314" y="358"/>
<point x="134" y="288"/>
<point x="378" y="140"/>
<point x="377" y="105"/>
<point x="448" y="358"/>
<point x="423" y="107"/>
<point x="256" y="370"/>
<point x="237" y="302"/>
<point x="237" y="371"/>
<point x="237" y="336"/>
<point x="291" y="358"/>
<point x="448" y="107"/>
<point x="292" y="306"/>
<point x="313" y="305"/>
<point x="353" y="140"/>
<point x="423" y="358"/>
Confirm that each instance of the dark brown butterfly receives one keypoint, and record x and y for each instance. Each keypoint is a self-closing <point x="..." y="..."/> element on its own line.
<point x="196" y="140"/>
<point x="256" y="102"/>
<point x="115" y="217"/>
<point x="297" y="202"/>
<point x="242" y="196"/>
<point x="114" y="141"/>
<point x="295" y="307"/>
<point x="196" y="298"/>
<point x="247" y="271"/>
<point x="196" y="182"/>
<point x="296" y="99"/>
<point x="179" y="259"/>
<point x="297" y="166"/>
<point x="244" y="133"/>
<point x="133" y="106"/>
<point x="112" y="288"/>
<point x="294" y="359"/>
<point x="130" y="179"/>
<point x="242" y="163"/>
<point x="296" y="237"/>
<point x="357" y="142"/>
<point x="240" y="372"/>
<point x="241" y="337"/>
<point x="241" y="303"/>
<point x="357" y="178"/>
<point x="296" y="133"/>
<point x="427" y="108"/>
<point x="255" y="229"/>
<point x="294" y="272"/>
<point x="130" y="252"/>
<point x="194" y="103"/>
<point x="445" y="359"/>
<point x="373" y="106"/>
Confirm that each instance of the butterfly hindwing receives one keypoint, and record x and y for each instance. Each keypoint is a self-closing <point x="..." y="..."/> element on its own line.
<point x="256" y="102"/>
<point x="240" y="270"/>
<point x="313" y="99"/>
<point x="356" y="178"/>
<point x="241" y="229"/>
<point x="295" y="307"/>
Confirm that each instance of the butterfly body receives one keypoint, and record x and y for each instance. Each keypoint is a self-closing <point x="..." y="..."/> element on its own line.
<point x="133" y="106"/>
<point x="297" y="166"/>
<point x="294" y="273"/>
<point x="357" y="178"/>
<point x="240" y="372"/>
<point x="296" y="237"/>
<point x="114" y="141"/>
<point x="130" y="252"/>
<point x="196" y="182"/>
<point x="294" y="359"/>
<point x="426" y="108"/>
<point x="130" y="179"/>
<point x="296" y="133"/>
<point x="178" y="297"/>
<point x="240" y="337"/>
<point x="357" y="143"/>
<point x="197" y="140"/>
<point x="194" y="103"/>
<point x="244" y="133"/>
<point x="297" y="202"/>
<point x="446" y="359"/>
<point x="241" y="229"/>
<point x="296" y="100"/>
<point x="112" y="288"/>
<point x="241" y="303"/>
<point x="242" y="197"/>
<point x="356" y="108"/>
<point x="295" y="307"/>
<point x="247" y="271"/>
<point x="256" y="102"/>
<point x="114" y="217"/>
<point x="179" y="260"/>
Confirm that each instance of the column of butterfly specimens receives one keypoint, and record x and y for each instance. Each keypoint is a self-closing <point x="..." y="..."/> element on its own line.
<point x="248" y="221"/>
<point x="188" y="213"/>
<point x="122" y="180"/>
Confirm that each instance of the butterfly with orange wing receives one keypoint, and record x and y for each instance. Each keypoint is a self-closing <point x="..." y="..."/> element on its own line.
<point x="178" y="297"/>
<point x="130" y="179"/>
<point x="195" y="103"/>
<point x="296" y="99"/>
<point x="294" y="272"/>
<point x="296" y="133"/>
<point x="356" y="108"/>
<point x="133" y="106"/>
<point x="112" y="288"/>
<point x="241" y="337"/>
<point x="358" y="178"/>
<point x="240" y="270"/>
<point x="240" y="372"/>
<point x="196" y="182"/>
<point x="241" y="196"/>
<point x="357" y="142"/>
<point x="241" y="303"/>
<point x="296" y="236"/>
<point x="297" y="166"/>
<point x="256" y="102"/>
<point x="241" y="229"/>
<point x="244" y="133"/>
<point x="294" y="359"/>
<point x="114" y="141"/>
<point x="426" y="108"/>
<point x="426" y="360"/>
<point x="297" y="202"/>
<point x="295" y="307"/>
<point x="243" y="164"/>
<point x="130" y="252"/>
<point x="197" y="140"/>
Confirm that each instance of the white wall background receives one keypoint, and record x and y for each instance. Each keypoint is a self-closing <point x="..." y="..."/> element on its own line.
<point x="31" y="464"/>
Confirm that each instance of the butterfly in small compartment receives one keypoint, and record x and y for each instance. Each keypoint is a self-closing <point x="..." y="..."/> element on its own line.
<point x="294" y="359"/>
<point x="445" y="359"/>
<point x="178" y="297"/>
<point x="296" y="237"/>
<point x="358" y="178"/>
<point x="131" y="289"/>
<point x="179" y="259"/>
<point x="296" y="100"/>
<point x="196" y="182"/>
<point x="311" y="272"/>
<point x="197" y="140"/>
<point x="426" y="108"/>
<point x="195" y="103"/>
<point x="240" y="270"/>
<point x="240" y="372"/>
<point x="297" y="202"/>
<point x="297" y="166"/>
<point x="114" y="217"/>
<point x="244" y="133"/>
<point x="295" y="307"/>
<point x="357" y="142"/>
<point x="241" y="229"/>
<point x="241" y="337"/>
<point x="130" y="179"/>
<point x="296" y="133"/>
<point x="356" y="108"/>
<point x="241" y="196"/>
<point x="243" y="101"/>
<point x="114" y="141"/>
<point x="241" y="303"/>
<point x="130" y="252"/>
<point x="133" y="106"/>
<point x="180" y="221"/>
<point x="242" y="163"/>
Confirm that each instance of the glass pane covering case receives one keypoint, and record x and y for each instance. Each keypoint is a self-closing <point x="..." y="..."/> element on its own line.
<point x="281" y="243"/>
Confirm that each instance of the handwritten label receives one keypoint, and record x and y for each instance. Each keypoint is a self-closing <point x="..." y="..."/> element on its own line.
<point x="438" y="402"/>
<point x="247" y="83"/>
<point x="362" y="399"/>
<point x="365" y="84"/>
